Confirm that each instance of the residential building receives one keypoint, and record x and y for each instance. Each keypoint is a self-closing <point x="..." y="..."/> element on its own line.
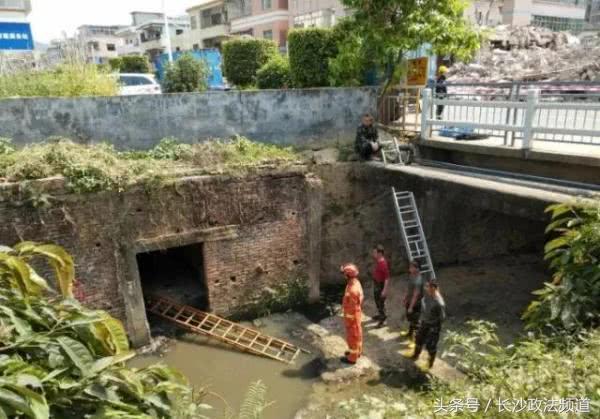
<point x="209" y="24"/>
<point x="146" y="34"/>
<point x="593" y="14"/>
<point x="100" y="41"/>
<point x="268" y="19"/>
<point x="485" y="12"/>
<point x="316" y="13"/>
<point x="557" y="15"/>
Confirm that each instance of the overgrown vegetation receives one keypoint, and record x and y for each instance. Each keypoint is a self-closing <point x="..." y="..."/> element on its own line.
<point x="100" y="167"/>
<point x="289" y="295"/>
<point x="572" y="300"/>
<point x="74" y="79"/>
<point x="186" y="74"/>
<point x="243" y="57"/>
<point x="61" y="360"/>
<point x="533" y="369"/>
<point x="275" y="74"/>
<point x="310" y="51"/>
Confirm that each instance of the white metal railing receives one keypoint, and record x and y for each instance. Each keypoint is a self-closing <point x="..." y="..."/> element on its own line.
<point x="526" y="121"/>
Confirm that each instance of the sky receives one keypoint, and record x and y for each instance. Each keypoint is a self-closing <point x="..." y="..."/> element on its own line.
<point x="50" y="18"/>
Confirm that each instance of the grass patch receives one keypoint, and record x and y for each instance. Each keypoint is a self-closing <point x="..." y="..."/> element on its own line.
<point x="100" y="167"/>
<point x="76" y="79"/>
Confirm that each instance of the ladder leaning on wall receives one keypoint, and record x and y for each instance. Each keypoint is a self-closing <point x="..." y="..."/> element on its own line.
<point x="412" y="232"/>
<point x="226" y="331"/>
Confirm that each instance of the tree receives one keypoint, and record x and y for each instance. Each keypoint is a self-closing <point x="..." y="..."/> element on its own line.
<point x="310" y="51"/>
<point x="187" y="74"/>
<point x="275" y="74"/>
<point x="61" y="360"/>
<point x="390" y="28"/>
<point x="243" y="57"/>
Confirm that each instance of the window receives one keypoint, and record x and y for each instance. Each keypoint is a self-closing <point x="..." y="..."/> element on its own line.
<point x="196" y="47"/>
<point x="111" y="47"/>
<point x="134" y="80"/>
<point x="212" y="17"/>
<point x="558" y="23"/>
<point x="178" y="31"/>
<point x="268" y="34"/>
<point x="216" y="19"/>
<point x="194" y="22"/>
<point x="266" y="4"/>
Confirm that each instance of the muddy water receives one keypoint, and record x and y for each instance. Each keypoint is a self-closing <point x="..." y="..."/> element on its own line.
<point x="229" y="372"/>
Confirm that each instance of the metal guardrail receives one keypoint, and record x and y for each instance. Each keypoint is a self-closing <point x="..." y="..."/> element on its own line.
<point x="512" y="119"/>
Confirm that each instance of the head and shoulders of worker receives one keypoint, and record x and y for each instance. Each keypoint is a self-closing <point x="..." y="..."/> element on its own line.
<point x="351" y="272"/>
<point x="432" y="292"/>
<point x="442" y="74"/>
<point x="367" y="122"/>
<point x="414" y="271"/>
<point x="378" y="254"/>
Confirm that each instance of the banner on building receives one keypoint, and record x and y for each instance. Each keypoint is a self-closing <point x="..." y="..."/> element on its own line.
<point x="417" y="72"/>
<point x="15" y="36"/>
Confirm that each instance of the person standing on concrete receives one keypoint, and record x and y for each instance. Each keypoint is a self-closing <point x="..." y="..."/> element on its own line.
<point x="412" y="299"/>
<point x="441" y="90"/>
<point x="433" y="314"/>
<point x="381" y="280"/>
<point x="352" y="312"/>
<point x="367" y="138"/>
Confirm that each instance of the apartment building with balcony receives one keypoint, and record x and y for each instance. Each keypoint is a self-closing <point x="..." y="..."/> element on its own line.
<point x="101" y="42"/>
<point x="267" y="19"/>
<point x="316" y="13"/>
<point x="209" y="24"/>
<point x="593" y="13"/>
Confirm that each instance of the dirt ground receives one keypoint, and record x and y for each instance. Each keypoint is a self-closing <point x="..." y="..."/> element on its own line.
<point x="494" y="290"/>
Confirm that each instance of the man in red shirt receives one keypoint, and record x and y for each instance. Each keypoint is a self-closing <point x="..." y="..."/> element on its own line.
<point x="381" y="280"/>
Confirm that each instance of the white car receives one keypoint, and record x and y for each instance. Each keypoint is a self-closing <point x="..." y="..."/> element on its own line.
<point x="138" y="84"/>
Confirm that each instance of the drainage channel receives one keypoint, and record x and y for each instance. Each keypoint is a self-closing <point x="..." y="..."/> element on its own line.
<point x="538" y="182"/>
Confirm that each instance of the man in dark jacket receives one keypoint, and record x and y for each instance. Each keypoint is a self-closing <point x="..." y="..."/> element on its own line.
<point x="367" y="143"/>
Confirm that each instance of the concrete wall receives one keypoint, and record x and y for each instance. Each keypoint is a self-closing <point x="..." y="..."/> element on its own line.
<point x="256" y="232"/>
<point x="139" y="122"/>
<point x="462" y="222"/>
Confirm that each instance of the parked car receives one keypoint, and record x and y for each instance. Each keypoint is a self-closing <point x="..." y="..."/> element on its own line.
<point x="138" y="84"/>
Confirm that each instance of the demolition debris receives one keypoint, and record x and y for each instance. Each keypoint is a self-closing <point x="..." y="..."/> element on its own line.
<point x="531" y="54"/>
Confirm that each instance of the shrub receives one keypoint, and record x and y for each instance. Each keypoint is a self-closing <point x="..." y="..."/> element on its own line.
<point x="349" y="66"/>
<point x="131" y="64"/>
<point x="310" y="51"/>
<point x="274" y="75"/>
<point x="187" y="74"/>
<point x="66" y="80"/>
<point x="572" y="300"/>
<point x="243" y="57"/>
<point x="62" y="360"/>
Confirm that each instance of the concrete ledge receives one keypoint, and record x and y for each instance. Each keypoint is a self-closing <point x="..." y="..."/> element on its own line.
<point x="533" y="162"/>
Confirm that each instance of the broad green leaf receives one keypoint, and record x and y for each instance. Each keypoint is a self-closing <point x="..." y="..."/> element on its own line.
<point x="111" y="333"/>
<point x="103" y="363"/>
<point x="77" y="353"/>
<point x="556" y="243"/>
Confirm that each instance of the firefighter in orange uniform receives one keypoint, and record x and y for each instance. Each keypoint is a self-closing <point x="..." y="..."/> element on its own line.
<point x="352" y="309"/>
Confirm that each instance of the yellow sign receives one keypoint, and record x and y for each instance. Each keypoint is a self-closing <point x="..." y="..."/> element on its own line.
<point x="418" y="70"/>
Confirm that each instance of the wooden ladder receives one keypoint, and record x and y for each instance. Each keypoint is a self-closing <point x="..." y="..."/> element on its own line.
<point x="226" y="331"/>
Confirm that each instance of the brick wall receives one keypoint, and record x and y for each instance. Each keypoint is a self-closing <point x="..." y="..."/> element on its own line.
<point x="254" y="231"/>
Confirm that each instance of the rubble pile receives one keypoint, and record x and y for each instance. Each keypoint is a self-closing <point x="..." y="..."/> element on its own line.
<point x="530" y="53"/>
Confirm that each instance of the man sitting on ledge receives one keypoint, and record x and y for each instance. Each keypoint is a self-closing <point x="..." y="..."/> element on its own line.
<point x="367" y="138"/>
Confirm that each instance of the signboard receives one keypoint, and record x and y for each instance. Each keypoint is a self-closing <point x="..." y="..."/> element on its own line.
<point x="16" y="36"/>
<point x="418" y="71"/>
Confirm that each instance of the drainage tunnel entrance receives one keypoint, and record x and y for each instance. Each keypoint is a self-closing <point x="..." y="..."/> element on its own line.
<point x="176" y="273"/>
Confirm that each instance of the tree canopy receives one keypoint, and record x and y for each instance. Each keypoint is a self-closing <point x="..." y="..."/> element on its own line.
<point x="393" y="27"/>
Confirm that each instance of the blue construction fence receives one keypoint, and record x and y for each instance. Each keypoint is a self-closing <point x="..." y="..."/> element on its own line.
<point x="211" y="56"/>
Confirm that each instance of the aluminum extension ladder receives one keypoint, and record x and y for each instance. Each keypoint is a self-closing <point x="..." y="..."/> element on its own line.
<point x="412" y="232"/>
<point x="226" y="331"/>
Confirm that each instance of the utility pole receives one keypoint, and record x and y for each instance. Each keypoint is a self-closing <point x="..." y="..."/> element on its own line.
<point x="167" y="32"/>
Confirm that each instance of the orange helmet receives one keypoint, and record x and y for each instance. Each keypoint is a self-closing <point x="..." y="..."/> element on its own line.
<point x="350" y="270"/>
